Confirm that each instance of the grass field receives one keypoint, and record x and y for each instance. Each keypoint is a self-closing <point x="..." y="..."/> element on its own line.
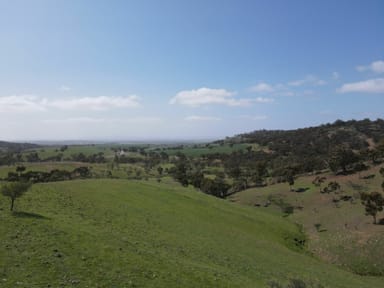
<point x="120" y="233"/>
<point x="339" y="231"/>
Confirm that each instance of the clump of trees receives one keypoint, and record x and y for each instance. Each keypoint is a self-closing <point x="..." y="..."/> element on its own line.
<point x="52" y="176"/>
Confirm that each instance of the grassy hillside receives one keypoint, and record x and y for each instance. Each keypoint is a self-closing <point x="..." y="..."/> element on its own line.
<point x="338" y="230"/>
<point x="119" y="233"/>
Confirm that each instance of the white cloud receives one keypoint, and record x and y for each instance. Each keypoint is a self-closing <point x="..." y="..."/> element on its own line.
<point x="262" y="100"/>
<point x="21" y="103"/>
<point x="90" y="120"/>
<point x="30" y="103"/>
<point x="377" y="67"/>
<point x="262" y="88"/>
<point x="95" y="103"/>
<point x="308" y="80"/>
<point x="65" y="88"/>
<point x="201" y="118"/>
<point x="368" y="86"/>
<point x="274" y="90"/>
<point x="206" y="96"/>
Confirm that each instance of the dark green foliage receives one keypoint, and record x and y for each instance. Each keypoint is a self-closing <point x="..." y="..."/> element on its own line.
<point x="332" y="186"/>
<point x="33" y="157"/>
<point x="373" y="203"/>
<point x="94" y="158"/>
<point x="52" y="176"/>
<point x="15" y="190"/>
<point x="342" y="157"/>
<point x="216" y="187"/>
<point x="82" y="172"/>
<point x="20" y="169"/>
<point x="160" y="170"/>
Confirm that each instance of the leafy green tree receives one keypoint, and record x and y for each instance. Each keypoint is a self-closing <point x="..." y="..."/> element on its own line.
<point x="15" y="190"/>
<point x="373" y="203"/>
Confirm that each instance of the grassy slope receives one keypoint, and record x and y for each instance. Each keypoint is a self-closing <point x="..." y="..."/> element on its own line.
<point x="345" y="235"/>
<point x="118" y="233"/>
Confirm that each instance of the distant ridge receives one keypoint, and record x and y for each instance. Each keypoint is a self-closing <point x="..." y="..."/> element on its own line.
<point x="14" y="146"/>
<point x="309" y="149"/>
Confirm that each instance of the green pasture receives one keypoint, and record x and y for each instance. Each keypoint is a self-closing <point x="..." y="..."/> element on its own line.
<point x="120" y="233"/>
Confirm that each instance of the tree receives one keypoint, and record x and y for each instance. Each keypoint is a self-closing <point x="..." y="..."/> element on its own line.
<point x="289" y="177"/>
<point x="15" y="190"/>
<point x="20" y="169"/>
<point x="160" y="170"/>
<point x="318" y="181"/>
<point x="373" y="203"/>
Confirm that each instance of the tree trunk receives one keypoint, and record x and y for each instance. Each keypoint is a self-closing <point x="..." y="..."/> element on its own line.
<point x="12" y="202"/>
<point x="374" y="219"/>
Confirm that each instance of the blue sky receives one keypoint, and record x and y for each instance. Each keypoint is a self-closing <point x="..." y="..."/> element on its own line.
<point x="177" y="69"/>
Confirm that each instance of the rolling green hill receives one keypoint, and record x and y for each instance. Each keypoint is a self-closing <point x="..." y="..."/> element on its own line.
<point x="119" y="233"/>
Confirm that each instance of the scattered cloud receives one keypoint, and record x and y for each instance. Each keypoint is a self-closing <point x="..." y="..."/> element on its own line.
<point x="65" y="88"/>
<point x="377" y="67"/>
<point x="367" y="86"/>
<point x="201" y="118"/>
<point x="274" y="90"/>
<point x="21" y="103"/>
<point x="262" y="100"/>
<point x="262" y="88"/>
<point x="335" y="75"/>
<point x="95" y="103"/>
<point x="90" y="120"/>
<point x="30" y="103"/>
<point x="206" y="96"/>
<point x="308" y="80"/>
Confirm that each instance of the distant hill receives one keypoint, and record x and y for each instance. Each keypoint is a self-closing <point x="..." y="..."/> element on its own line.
<point x="15" y="147"/>
<point x="310" y="148"/>
<point x="357" y="134"/>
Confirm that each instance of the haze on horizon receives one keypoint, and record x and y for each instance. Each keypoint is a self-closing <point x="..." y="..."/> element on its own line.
<point x="178" y="69"/>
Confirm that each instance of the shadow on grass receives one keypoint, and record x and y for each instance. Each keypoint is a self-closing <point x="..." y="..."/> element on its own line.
<point x="301" y="190"/>
<point x="21" y="214"/>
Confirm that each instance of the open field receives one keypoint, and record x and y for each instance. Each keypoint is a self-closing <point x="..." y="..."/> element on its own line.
<point x="119" y="233"/>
